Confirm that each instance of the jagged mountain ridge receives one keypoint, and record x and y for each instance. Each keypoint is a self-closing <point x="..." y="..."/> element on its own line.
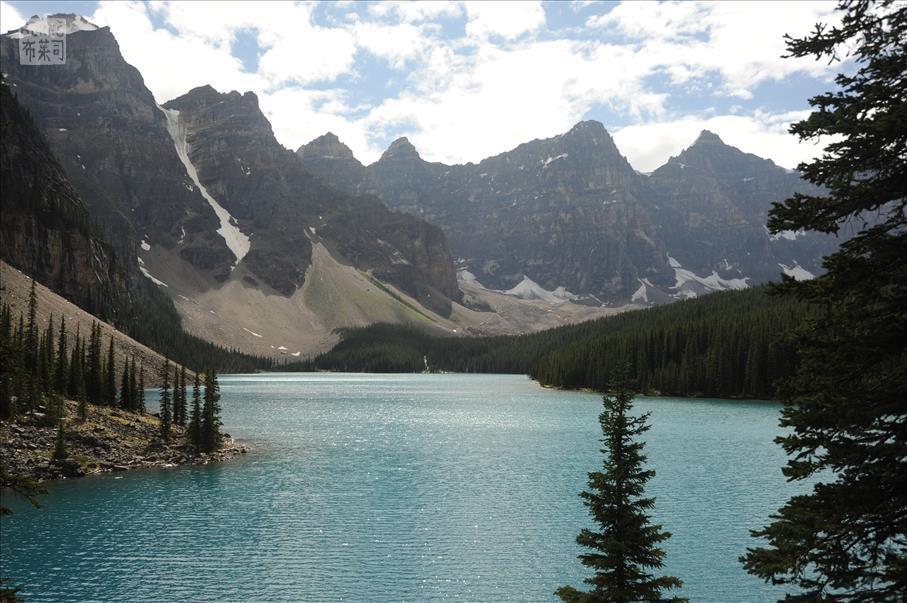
<point x="570" y="211"/>
<point x="202" y="200"/>
<point x="241" y="163"/>
<point x="104" y="123"/>
<point x="565" y="212"/>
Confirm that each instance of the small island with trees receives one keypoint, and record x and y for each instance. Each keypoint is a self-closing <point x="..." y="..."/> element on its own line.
<point x="69" y="408"/>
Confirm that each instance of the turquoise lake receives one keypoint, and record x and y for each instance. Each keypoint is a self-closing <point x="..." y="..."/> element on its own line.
<point x="400" y="488"/>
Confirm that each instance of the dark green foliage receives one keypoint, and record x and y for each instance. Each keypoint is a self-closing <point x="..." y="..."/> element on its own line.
<point x="722" y="345"/>
<point x="140" y="390"/>
<point x="110" y="377"/>
<point x="179" y="396"/>
<point x="61" y="369"/>
<point x="846" y="406"/>
<point x="195" y="421"/>
<point x="210" y="422"/>
<point x="626" y="550"/>
<point x="60" y="444"/>
<point x="166" y="402"/>
<point x="22" y="486"/>
<point x="125" y="401"/>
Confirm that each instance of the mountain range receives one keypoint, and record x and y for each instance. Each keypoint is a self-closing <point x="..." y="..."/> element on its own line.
<point x="569" y="214"/>
<point x="269" y="251"/>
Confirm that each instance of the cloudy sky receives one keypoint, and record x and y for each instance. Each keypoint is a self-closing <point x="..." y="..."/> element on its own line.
<point x="468" y="80"/>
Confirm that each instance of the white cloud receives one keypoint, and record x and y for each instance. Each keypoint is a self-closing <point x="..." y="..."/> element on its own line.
<point x="171" y="65"/>
<point x="506" y="19"/>
<point x="397" y="44"/>
<point x="742" y="42"/>
<point x="316" y="54"/>
<point x="300" y="115"/>
<point x="648" y="146"/>
<point x="416" y="12"/>
<point x="465" y="97"/>
<point x="10" y="18"/>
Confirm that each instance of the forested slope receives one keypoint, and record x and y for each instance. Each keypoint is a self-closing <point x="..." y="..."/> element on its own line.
<point x="725" y="345"/>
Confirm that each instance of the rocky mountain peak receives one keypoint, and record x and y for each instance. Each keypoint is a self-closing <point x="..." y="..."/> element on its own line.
<point x="67" y="23"/>
<point x="708" y="137"/>
<point x="401" y="148"/>
<point x="326" y="146"/>
<point x="588" y="127"/>
<point x="589" y="136"/>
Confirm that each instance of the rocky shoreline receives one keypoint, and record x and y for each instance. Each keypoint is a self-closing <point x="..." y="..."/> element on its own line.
<point x="110" y="439"/>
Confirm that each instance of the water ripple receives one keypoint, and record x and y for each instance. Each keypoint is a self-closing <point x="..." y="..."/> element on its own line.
<point x="399" y="488"/>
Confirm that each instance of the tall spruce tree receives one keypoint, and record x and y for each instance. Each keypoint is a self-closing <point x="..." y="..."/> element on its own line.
<point x="846" y="407"/>
<point x="110" y="377"/>
<point x="140" y="399"/>
<point x="31" y="333"/>
<point x="210" y="424"/>
<point x="61" y="370"/>
<point x="125" y="390"/>
<point x="133" y="387"/>
<point x="166" y="408"/>
<point x="94" y="378"/>
<point x="179" y="396"/>
<point x="195" y="421"/>
<point x="625" y="552"/>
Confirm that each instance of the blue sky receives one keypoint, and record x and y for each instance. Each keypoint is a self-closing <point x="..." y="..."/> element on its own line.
<point x="467" y="80"/>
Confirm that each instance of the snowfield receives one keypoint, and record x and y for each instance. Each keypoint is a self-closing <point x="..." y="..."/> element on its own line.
<point x="236" y="241"/>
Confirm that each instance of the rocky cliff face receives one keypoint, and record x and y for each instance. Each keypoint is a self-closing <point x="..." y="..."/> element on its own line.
<point x="103" y="125"/>
<point x="264" y="185"/>
<point x="571" y="212"/>
<point x="220" y="191"/>
<point x="566" y="212"/>
<point x="714" y="201"/>
<point x="326" y="155"/>
<point x="45" y="230"/>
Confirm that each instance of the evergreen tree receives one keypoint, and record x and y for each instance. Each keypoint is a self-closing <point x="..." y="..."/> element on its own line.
<point x="60" y="445"/>
<point x="110" y="377"/>
<point x="195" y="421"/>
<point x="625" y="551"/>
<point x="140" y="406"/>
<point x="210" y="423"/>
<point x="31" y="333"/>
<point x="846" y="407"/>
<point x="61" y="370"/>
<point x="179" y="396"/>
<point x="166" y="411"/>
<point x="45" y="360"/>
<point x="125" y="390"/>
<point x="94" y="379"/>
<point x="133" y="387"/>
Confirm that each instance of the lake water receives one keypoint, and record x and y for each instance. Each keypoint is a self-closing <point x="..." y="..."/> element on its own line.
<point x="400" y="488"/>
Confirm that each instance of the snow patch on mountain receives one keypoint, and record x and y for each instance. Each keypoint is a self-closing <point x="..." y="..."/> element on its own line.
<point x="529" y="289"/>
<point x="797" y="272"/>
<point x="688" y="284"/>
<point x="236" y="241"/>
<point x="551" y="160"/>
<point x="468" y="277"/>
<point x="154" y="280"/>
<point x="787" y="235"/>
<point x="641" y="294"/>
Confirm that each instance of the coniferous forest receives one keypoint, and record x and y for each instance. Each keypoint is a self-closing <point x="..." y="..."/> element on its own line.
<point x="727" y="344"/>
<point x="41" y="369"/>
